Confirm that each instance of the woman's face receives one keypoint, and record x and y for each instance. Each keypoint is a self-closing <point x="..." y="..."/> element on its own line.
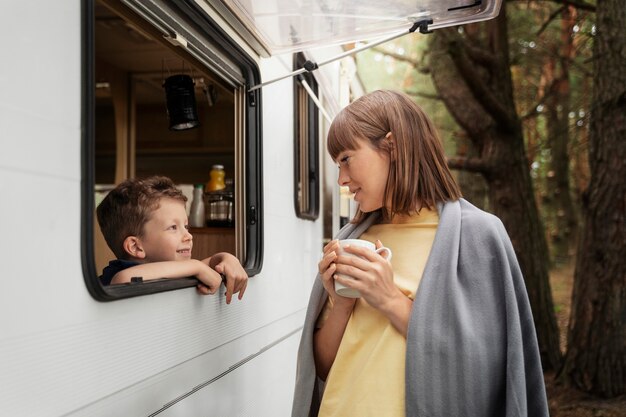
<point x="364" y="171"/>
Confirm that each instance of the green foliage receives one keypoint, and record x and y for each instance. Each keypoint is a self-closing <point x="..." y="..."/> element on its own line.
<point x="401" y="65"/>
<point x="537" y="35"/>
<point x="551" y="65"/>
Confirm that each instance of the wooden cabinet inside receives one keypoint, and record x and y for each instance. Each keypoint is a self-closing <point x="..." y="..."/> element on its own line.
<point x="210" y="240"/>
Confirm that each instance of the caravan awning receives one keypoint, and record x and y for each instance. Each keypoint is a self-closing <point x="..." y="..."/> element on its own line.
<point x="280" y="26"/>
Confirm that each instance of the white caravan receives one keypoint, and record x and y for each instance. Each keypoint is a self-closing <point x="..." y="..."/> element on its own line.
<point x="82" y="107"/>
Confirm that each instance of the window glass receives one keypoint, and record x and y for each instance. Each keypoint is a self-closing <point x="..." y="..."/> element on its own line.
<point x="306" y="144"/>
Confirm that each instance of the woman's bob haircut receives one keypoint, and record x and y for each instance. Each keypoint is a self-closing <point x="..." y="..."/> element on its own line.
<point x="418" y="173"/>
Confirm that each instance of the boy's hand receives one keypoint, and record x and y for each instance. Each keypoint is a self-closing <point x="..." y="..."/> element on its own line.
<point x="210" y="279"/>
<point x="236" y="277"/>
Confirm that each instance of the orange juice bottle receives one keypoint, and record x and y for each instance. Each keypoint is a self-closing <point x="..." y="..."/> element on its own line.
<point x="216" y="181"/>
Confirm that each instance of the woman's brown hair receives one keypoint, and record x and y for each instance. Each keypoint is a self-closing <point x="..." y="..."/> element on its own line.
<point x="418" y="173"/>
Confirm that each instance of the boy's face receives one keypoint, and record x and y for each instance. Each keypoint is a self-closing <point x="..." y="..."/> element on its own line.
<point x="165" y="236"/>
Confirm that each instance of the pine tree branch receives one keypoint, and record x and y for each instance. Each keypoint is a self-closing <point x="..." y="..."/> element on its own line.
<point x="478" y="55"/>
<point x="586" y="72"/>
<point x="578" y="4"/>
<point x="481" y="91"/>
<point x="550" y="19"/>
<point x="547" y="94"/>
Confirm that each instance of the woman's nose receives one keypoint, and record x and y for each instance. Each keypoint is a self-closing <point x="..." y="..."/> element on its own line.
<point x="343" y="178"/>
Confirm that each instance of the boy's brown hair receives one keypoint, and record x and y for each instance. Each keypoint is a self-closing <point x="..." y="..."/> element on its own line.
<point x="127" y="208"/>
<point x="418" y="173"/>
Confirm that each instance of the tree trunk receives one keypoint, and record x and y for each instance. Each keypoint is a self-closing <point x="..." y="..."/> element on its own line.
<point x="580" y="158"/>
<point x="472" y="184"/>
<point x="475" y="84"/>
<point x="559" y="209"/>
<point x="596" y="356"/>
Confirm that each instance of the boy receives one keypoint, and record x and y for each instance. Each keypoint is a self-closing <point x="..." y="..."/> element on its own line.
<point x="144" y="222"/>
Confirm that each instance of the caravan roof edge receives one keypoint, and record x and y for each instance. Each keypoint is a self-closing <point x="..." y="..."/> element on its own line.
<point x="232" y="19"/>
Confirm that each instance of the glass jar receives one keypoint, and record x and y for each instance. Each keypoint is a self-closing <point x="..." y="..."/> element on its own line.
<point x="220" y="208"/>
<point x="216" y="181"/>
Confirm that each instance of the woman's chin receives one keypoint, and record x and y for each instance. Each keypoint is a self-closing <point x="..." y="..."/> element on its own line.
<point x="365" y="208"/>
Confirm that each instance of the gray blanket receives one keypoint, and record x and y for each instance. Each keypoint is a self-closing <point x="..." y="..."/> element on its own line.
<point x="471" y="345"/>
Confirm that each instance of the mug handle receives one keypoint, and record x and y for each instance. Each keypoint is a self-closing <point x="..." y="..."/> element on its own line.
<point x="389" y="254"/>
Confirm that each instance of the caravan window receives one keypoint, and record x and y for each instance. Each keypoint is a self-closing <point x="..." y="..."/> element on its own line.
<point x="130" y="50"/>
<point x="306" y="144"/>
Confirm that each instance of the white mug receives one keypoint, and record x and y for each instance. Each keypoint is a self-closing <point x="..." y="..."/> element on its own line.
<point x="341" y="289"/>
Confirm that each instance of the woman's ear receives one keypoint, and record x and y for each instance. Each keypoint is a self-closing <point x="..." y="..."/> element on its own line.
<point x="132" y="246"/>
<point x="391" y="145"/>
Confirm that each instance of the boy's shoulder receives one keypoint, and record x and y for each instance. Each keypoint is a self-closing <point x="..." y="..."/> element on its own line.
<point x="113" y="268"/>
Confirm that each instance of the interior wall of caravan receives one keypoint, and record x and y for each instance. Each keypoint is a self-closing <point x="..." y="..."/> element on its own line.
<point x="138" y="69"/>
<point x="132" y="134"/>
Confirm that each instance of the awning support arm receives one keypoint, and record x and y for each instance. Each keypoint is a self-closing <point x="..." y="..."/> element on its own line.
<point x="317" y="102"/>
<point x="309" y="66"/>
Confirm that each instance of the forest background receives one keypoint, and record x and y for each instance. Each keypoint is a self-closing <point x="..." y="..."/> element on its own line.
<point x="531" y="107"/>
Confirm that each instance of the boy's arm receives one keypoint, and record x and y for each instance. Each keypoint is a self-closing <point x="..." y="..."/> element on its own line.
<point x="172" y="269"/>
<point x="236" y="276"/>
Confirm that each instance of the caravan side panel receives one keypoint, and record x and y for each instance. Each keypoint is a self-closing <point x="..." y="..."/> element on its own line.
<point x="173" y="353"/>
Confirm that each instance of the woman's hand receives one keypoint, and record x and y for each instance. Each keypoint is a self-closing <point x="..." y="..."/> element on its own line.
<point x="372" y="275"/>
<point x="327" y="269"/>
<point x="369" y="273"/>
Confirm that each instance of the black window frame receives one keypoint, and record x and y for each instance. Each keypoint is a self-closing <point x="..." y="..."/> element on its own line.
<point x="253" y="156"/>
<point x="312" y="142"/>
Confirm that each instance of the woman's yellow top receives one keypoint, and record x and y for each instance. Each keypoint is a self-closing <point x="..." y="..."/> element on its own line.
<point x="367" y="376"/>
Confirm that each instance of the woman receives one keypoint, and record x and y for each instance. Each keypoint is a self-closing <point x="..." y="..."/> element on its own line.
<point x="447" y="329"/>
